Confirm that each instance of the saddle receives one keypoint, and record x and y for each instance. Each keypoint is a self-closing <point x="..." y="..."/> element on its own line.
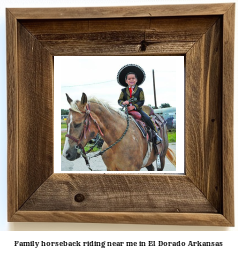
<point x="147" y="133"/>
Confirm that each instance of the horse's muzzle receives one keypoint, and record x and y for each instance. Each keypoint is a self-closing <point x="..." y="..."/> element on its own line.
<point x="72" y="155"/>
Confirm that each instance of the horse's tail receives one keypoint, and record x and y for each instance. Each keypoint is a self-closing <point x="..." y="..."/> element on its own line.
<point x="171" y="156"/>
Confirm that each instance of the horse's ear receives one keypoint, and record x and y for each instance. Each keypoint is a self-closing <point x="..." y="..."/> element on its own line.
<point x="69" y="99"/>
<point x="84" y="99"/>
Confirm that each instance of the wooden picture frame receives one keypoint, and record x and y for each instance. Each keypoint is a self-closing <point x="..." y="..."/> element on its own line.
<point x="204" y="34"/>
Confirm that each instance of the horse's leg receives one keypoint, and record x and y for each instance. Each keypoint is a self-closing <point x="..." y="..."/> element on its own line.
<point x="150" y="167"/>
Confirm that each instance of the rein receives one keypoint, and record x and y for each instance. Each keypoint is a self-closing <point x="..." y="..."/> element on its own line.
<point x="124" y="133"/>
<point x="86" y="127"/>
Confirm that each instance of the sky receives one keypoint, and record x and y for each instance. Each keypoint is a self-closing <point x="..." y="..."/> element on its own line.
<point x="97" y="76"/>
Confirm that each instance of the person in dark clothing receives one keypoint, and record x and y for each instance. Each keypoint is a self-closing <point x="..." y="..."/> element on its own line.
<point x="131" y="76"/>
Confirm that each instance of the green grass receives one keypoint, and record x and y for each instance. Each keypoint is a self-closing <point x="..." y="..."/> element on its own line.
<point x="172" y="136"/>
<point x="63" y="126"/>
<point x="87" y="147"/>
<point x="62" y="140"/>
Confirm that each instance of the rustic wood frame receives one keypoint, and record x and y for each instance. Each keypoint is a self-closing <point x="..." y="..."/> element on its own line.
<point x="204" y="34"/>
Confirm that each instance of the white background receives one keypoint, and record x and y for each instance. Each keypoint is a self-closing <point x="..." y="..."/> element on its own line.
<point x="7" y="238"/>
<point x="74" y="75"/>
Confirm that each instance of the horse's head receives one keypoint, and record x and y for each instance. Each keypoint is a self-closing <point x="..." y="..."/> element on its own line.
<point x="80" y="129"/>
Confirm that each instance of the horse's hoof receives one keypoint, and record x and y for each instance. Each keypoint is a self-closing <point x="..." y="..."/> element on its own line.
<point x="150" y="167"/>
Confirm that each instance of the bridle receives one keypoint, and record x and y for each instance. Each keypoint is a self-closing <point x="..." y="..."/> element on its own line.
<point x="86" y="127"/>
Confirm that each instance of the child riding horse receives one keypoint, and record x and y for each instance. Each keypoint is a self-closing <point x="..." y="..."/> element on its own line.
<point x="131" y="76"/>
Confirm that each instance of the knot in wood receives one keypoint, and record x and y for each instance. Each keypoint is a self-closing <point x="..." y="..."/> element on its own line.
<point x="79" y="198"/>
<point x="143" y="45"/>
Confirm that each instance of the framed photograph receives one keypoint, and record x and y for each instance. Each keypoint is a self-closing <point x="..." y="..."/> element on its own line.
<point x="202" y="34"/>
<point x="96" y="76"/>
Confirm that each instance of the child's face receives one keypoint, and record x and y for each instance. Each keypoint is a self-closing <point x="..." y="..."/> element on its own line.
<point x="131" y="80"/>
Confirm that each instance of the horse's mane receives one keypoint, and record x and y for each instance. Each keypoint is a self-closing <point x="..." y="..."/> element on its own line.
<point x="104" y="103"/>
<point x="107" y="106"/>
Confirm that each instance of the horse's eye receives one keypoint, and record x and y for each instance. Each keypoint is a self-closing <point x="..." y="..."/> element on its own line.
<point x="77" y="125"/>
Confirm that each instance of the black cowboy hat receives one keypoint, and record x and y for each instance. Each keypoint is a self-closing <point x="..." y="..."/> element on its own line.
<point x="121" y="75"/>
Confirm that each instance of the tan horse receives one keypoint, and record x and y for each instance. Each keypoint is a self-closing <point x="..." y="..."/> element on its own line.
<point x="89" y="117"/>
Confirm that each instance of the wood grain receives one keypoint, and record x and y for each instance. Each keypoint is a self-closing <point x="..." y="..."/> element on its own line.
<point x="117" y="193"/>
<point x="190" y="219"/>
<point x="12" y="116"/>
<point x="35" y="101"/>
<point x="204" y="114"/>
<point x="119" y="37"/>
<point x="121" y="12"/>
<point x="77" y="49"/>
<point x="49" y="29"/>
<point x="204" y="34"/>
<point x="227" y="114"/>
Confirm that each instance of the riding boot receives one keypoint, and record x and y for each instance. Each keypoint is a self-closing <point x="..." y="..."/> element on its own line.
<point x="158" y="138"/>
<point x="150" y="123"/>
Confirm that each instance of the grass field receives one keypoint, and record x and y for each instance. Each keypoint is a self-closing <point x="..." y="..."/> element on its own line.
<point x="172" y="136"/>
<point x="87" y="147"/>
<point x="63" y="125"/>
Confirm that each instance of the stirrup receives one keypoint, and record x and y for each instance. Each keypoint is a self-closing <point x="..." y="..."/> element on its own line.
<point x="158" y="139"/>
<point x="158" y="162"/>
